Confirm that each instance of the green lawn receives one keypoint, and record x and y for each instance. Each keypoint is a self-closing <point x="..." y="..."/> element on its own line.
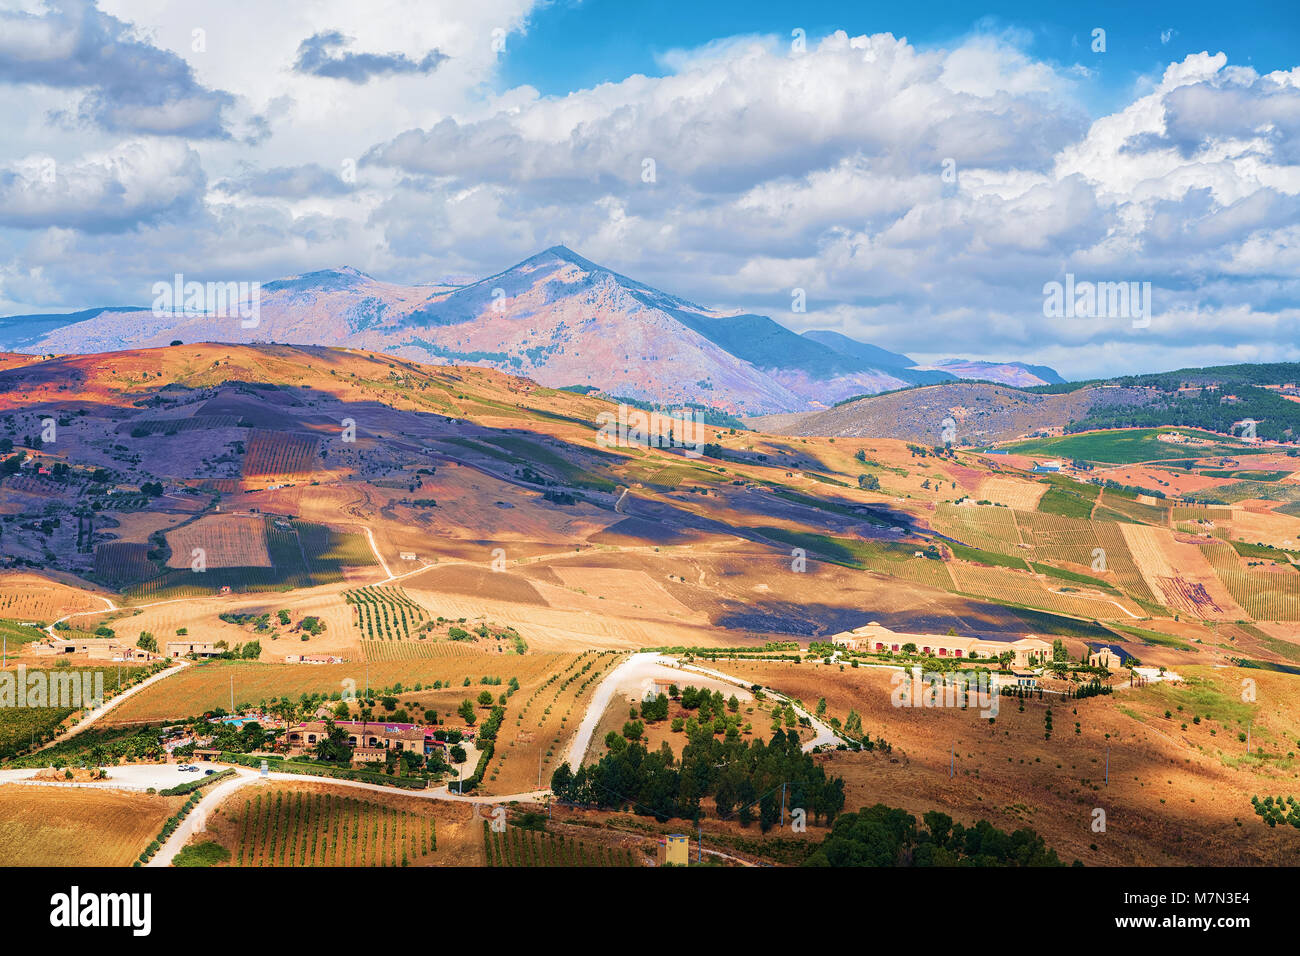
<point x="1059" y="501"/>
<point x="1247" y="475"/>
<point x="1130" y="445"/>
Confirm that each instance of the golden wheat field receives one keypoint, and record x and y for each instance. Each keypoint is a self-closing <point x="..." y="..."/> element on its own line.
<point x="58" y="826"/>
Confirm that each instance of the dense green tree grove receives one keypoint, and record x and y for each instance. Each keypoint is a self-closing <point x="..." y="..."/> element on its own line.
<point x="888" y="836"/>
<point x="744" y="779"/>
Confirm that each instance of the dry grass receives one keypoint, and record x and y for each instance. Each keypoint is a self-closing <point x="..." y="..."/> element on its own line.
<point x="1175" y="796"/>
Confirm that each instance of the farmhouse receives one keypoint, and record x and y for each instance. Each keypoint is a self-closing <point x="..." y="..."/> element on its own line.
<point x="362" y="736"/>
<point x="96" y="649"/>
<point x="312" y="659"/>
<point x="877" y="638"/>
<point x="1106" y="655"/>
<point x="186" y="648"/>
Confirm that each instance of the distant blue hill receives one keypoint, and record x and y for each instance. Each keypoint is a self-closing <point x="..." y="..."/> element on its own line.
<point x="17" y="331"/>
<point x="873" y="356"/>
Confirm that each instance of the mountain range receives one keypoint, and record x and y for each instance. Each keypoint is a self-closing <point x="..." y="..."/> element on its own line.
<point x="556" y="318"/>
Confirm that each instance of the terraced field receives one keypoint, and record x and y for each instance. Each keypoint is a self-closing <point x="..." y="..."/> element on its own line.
<point x="1006" y="585"/>
<point x="418" y="650"/>
<point x="1272" y="595"/>
<point x="980" y="526"/>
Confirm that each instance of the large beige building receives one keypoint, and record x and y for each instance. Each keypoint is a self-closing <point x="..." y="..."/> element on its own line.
<point x="186" y="648"/>
<point x="878" y="639"/>
<point x="369" y="739"/>
<point x="95" y="648"/>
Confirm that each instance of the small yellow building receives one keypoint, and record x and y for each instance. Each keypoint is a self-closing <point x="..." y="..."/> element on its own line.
<point x="675" y="850"/>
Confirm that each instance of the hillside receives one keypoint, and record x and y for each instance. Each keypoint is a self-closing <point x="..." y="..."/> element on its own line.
<point x="440" y="526"/>
<point x="980" y="413"/>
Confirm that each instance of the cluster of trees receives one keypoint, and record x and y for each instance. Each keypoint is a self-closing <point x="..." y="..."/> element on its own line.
<point x="1278" y="419"/>
<point x="1277" y="810"/>
<point x="244" y="739"/>
<point x="744" y="779"/>
<point x="888" y="836"/>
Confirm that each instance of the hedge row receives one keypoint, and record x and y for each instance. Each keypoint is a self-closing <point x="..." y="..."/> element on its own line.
<point x="191" y="785"/>
<point x="168" y="828"/>
<point x="279" y="765"/>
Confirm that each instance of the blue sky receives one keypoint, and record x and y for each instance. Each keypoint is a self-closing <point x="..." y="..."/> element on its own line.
<point x="920" y="171"/>
<point x="572" y="44"/>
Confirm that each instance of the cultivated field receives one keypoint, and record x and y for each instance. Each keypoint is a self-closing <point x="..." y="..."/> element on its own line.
<point x="273" y="454"/>
<point x="520" y="847"/>
<point x="283" y="826"/>
<point x="384" y="614"/>
<point x="205" y="687"/>
<point x="29" y="597"/>
<point x="225" y="541"/>
<point x="532" y="742"/>
<point x="81" y="827"/>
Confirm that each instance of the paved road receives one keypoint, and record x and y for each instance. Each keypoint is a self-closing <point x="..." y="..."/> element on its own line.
<point x="637" y="665"/>
<point x="197" y="821"/>
<point x="95" y="715"/>
<point x="824" y="733"/>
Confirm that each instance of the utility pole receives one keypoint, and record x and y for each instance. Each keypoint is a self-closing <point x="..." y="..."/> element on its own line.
<point x="232" y="694"/>
<point x="1108" y="765"/>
